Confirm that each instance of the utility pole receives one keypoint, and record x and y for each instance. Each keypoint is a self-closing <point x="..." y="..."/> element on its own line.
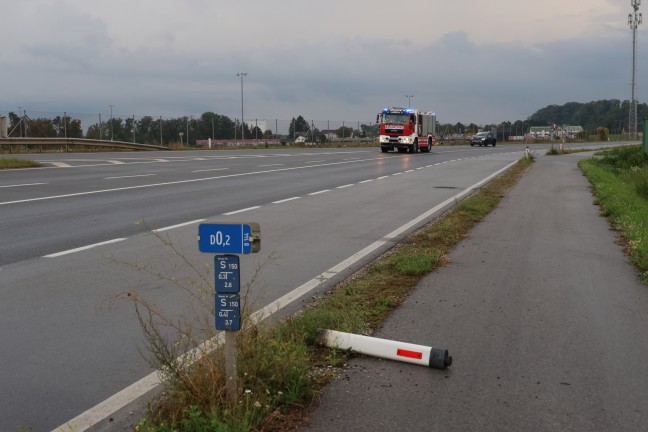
<point x="409" y="100"/>
<point x="20" y="122"/>
<point x="112" y="135"/>
<point x="634" y="19"/>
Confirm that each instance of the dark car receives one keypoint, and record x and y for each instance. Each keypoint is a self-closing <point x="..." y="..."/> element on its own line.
<point x="483" y="139"/>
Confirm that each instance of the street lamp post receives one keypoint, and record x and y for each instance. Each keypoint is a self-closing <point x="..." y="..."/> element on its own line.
<point x="409" y="100"/>
<point x="634" y="19"/>
<point x="242" y="74"/>
<point x="112" y="135"/>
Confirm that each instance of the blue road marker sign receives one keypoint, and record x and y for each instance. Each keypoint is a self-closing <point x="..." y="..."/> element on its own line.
<point x="227" y="272"/>
<point x="226" y="238"/>
<point x="228" y="312"/>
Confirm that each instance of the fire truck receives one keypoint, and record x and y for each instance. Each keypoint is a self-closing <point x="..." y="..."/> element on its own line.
<point x="406" y="129"/>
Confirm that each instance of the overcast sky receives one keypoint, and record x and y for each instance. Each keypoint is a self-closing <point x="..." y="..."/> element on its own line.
<point x="468" y="60"/>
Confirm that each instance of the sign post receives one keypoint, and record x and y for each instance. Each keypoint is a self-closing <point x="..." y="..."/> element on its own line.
<point x="229" y="240"/>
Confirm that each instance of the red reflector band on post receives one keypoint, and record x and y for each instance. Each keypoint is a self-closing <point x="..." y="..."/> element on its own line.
<point x="410" y="354"/>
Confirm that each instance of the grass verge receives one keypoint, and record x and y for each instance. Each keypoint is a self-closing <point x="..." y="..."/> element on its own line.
<point x="280" y="368"/>
<point x="620" y="182"/>
<point x="11" y="163"/>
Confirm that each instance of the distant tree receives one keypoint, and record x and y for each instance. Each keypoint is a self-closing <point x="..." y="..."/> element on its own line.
<point x="603" y="133"/>
<point x="612" y="114"/>
<point x="344" y="132"/>
<point x="40" y="127"/>
<point x="298" y="126"/>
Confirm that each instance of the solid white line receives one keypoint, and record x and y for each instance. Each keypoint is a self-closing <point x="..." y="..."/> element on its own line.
<point x="129" y="176"/>
<point x="20" y="185"/>
<point x="94" y="415"/>
<point x="345" y="186"/>
<point x="82" y="248"/>
<point x="241" y="211"/>
<point x="285" y="200"/>
<point x="319" y="192"/>
<point x="180" y="225"/>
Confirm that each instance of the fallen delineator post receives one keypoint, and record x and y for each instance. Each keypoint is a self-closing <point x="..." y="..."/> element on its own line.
<point x="436" y="358"/>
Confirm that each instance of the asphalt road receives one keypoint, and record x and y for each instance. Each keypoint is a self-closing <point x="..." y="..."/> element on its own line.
<point x="543" y="314"/>
<point x="76" y="235"/>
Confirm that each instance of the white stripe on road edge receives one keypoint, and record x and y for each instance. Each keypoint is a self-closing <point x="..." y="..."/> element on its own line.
<point x="98" y="413"/>
<point x="82" y="248"/>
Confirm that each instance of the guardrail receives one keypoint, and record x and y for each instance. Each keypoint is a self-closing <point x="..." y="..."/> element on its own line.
<point x="17" y="145"/>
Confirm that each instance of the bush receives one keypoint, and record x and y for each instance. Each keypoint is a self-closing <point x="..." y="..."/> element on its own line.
<point x="603" y="133"/>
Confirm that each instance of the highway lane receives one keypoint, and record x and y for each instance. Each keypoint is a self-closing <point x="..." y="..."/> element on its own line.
<point x="69" y="345"/>
<point x="53" y="210"/>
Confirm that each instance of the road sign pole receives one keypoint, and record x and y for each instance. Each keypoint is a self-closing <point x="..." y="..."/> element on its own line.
<point x="229" y="239"/>
<point x="231" y="385"/>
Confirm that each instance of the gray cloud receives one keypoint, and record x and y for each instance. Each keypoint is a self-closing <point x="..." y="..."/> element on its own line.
<point x="78" y="67"/>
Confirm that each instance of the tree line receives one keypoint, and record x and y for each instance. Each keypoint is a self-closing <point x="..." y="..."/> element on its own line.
<point x="612" y="114"/>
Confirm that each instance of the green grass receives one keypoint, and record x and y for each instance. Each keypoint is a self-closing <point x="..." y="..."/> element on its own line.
<point x="11" y="163"/>
<point x="620" y="182"/>
<point x="280" y="368"/>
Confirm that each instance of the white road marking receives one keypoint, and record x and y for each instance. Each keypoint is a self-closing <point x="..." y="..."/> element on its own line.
<point x="270" y="165"/>
<point x="60" y="164"/>
<point x="180" y="225"/>
<point x="345" y="186"/>
<point x="21" y="185"/>
<point x="366" y="181"/>
<point x="82" y="248"/>
<point x="241" y="211"/>
<point x="176" y="182"/>
<point x="319" y="192"/>
<point x="286" y="200"/>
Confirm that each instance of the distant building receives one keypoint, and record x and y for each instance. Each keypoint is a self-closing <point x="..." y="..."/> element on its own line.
<point x="548" y="132"/>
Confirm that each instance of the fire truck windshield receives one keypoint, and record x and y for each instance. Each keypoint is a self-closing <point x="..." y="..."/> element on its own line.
<point x="399" y="119"/>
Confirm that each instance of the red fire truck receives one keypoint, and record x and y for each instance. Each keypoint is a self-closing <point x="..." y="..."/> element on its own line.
<point x="406" y="129"/>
